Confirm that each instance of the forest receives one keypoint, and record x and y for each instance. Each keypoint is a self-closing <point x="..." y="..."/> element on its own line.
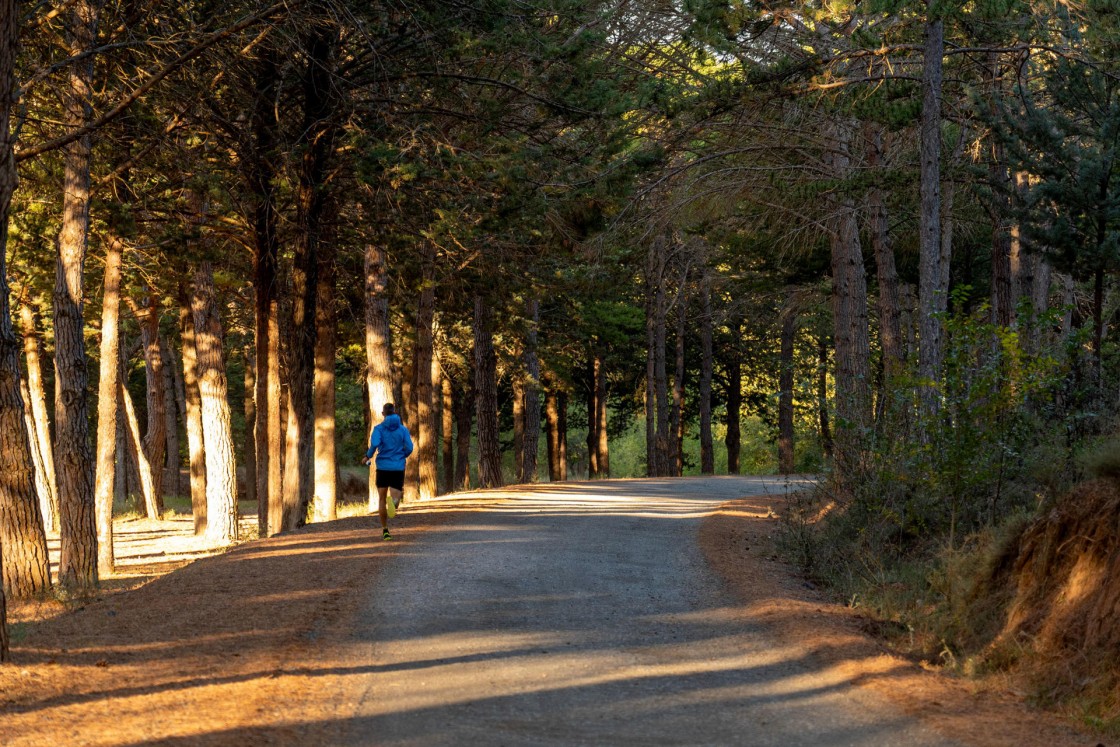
<point x="875" y="241"/>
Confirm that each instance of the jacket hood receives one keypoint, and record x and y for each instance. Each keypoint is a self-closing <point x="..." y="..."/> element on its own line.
<point x="391" y="422"/>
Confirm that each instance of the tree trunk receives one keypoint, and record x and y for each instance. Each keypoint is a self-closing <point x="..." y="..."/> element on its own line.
<point x="425" y="422"/>
<point x="532" y="397"/>
<point x="407" y="411"/>
<point x="170" y="408"/>
<point x="849" y="309"/>
<point x="195" y="444"/>
<point x="562" y="433"/>
<point x="486" y="397"/>
<point x="326" y="461"/>
<point x="250" y="443"/>
<point x="120" y="482"/>
<point x="464" y="410"/>
<point x="890" y="309"/>
<point x="136" y="446"/>
<point x="734" y="399"/>
<point x="155" y="438"/>
<point x="676" y="417"/>
<point x="107" y="406"/>
<point x="74" y="460"/>
<point x="217" y="435"/>
<point x="552" y="432"/>
<point x="42" y="488"/>
<point x="707" y="365"/>
<point x="932" y="289"/>
<point x="658" y="391"/>
<point x="36" y="405"/>
<point x="318" y="133"/>
<point x="592" y="391"/>
<point x="822" y="396"/>
<point x="602" y="442"/>
<point x="379" y="351"/>
<point x="447" y="432"/>
<point x="517" y="385"/>
<point x="260" y="173"/>
<point x="16" y="484"/>
<point x="785" y="395"/>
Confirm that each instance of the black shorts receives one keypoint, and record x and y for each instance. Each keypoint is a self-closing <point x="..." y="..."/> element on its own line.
<point x="390" y="478"/>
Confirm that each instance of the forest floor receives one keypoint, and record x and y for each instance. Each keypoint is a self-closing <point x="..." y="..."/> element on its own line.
<point x="274" y="641"/>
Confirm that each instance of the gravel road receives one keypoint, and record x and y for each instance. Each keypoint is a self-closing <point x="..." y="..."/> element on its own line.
<point x="582" y="614"/>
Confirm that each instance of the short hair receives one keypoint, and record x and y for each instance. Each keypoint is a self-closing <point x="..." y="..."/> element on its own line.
<point x="388" y="409"/>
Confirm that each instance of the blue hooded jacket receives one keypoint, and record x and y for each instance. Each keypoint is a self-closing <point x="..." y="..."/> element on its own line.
<point x="392" y="442"/>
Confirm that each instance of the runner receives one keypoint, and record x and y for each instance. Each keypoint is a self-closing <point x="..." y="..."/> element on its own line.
<point x="393" y="443"/>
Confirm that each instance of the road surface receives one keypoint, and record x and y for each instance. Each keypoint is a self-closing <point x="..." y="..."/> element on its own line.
<point x="583" y="614"/>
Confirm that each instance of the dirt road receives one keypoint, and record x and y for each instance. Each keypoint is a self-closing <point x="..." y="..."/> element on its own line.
<point x="613" y="613"/>
<point x="583" y="614"/>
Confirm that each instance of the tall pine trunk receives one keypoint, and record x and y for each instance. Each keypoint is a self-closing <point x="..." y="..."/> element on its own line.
<point x="260" y="173"/>
<point x="447" y="431"/>
<point x="464" y="412"/>
<point x="36" y="405"/>
<point x="849" y="310"/>
<point x="217" y="434"/>
<point x="425" y="422"/>
<point x="142" y="470"/>
<point x="486" y="397"/>
<point x="326" y="461"/>
<point x="733" y="439"/>
<point x="532" y="436"/>
<point x="562" y="433"/>
<point x="317" y="142"/>
<point x="676" y="417"/>
<point x="195" y="446"/>
<point x="107" y="407"/>
<point x="657" y="387"/>
<point x="552" y="432"/>
<point x="785" y="389"/>
<point x="379" y="351"/>
<point x="602" y="442"/>
<point x="171" y="411"/>
<point x="932" y="276"/>
<point x="74" y="460"/>
<point x="889" y="305"/>
<point x="250" y="443"/>
<point x="707" y="365"/>
<point x="592" y="400"/>
<point x="155" y="438"/>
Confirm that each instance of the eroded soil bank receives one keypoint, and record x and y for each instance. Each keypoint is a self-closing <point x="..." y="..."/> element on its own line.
<point x="738" y="541"/>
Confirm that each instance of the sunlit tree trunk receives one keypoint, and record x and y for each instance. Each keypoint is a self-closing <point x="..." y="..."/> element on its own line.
<point x="733" y="439"/>
<point x="107" y="406"/>
<point x="552" y="432"/>
<point x="785" y="387"/>
<point x="217" y="436"/>
<point x="326" y="461"/>
<point x="407" y="410"/>
<point x="36" y="405"/>
<point x="379" y="351"/>
<point x="464" y="415"/>
<point x="195" y="446"/>
<point x="486" y="397"/>
<point x="447" y="432"/>
<point x="260" y="173"/>
<point x="592" y="393"/>
<point x="602" y="442"/>
<point x="531" y="442"/>
<point x="517" y="386"/>
<point x="562" y="433"/>
<point x="707" y="365"/>
<point x="73" y="457"/>
<point x="139" y="459"/>
<point x="250" y="444"/>
<point x="425" y="405"/>
<point x="25" y="569"/>
<point x="822" y="396"/>
<point x="155" y="439"/>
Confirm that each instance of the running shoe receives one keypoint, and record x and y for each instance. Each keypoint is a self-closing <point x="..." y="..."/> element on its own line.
<point x="385" y="534"/>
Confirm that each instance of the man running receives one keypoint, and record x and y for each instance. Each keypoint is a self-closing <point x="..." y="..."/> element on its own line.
<point x="393" y="443"/>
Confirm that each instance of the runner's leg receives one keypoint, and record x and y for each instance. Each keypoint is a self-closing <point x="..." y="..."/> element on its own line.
<point x="398" y="496"/>
<point x="382" y="511"/>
